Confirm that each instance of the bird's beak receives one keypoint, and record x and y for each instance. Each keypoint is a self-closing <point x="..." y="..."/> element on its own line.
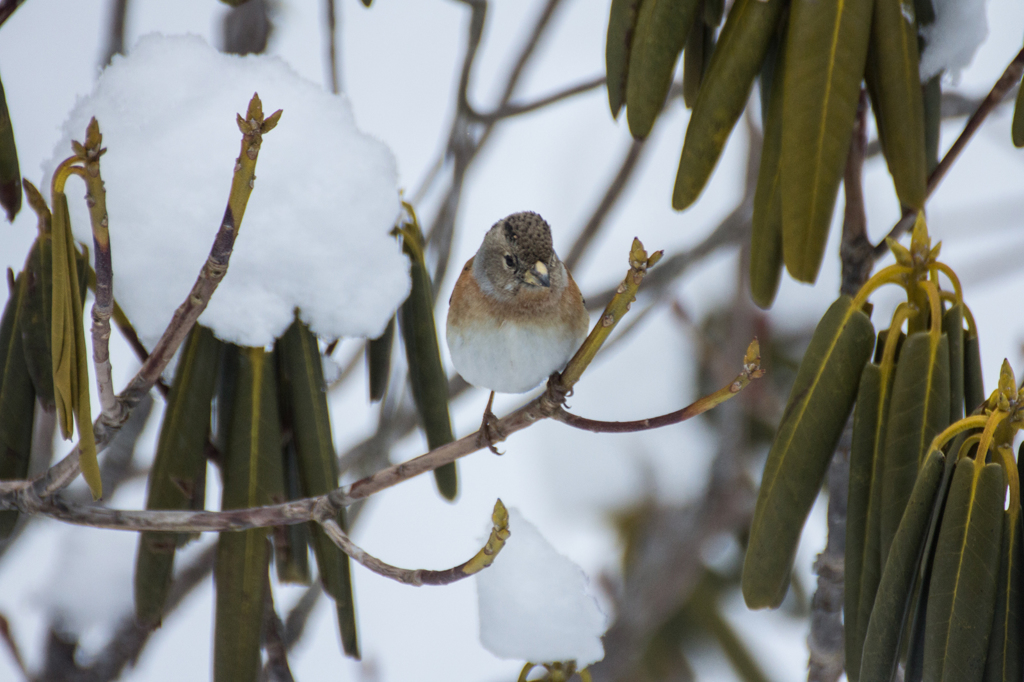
<point x="538" y="275"/>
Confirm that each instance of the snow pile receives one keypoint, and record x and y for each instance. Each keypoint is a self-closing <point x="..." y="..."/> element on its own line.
<point x="959" y="28"/>
<point x="535" y="605"/>
<point x="315" y="232"/>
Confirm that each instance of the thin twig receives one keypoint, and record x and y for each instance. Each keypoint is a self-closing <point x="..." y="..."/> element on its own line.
<point x="276" y="669"/>
<point x="751" y="370"/>
<point x="509" y="110"/>
<point x="1011" y="76"/>
<point x="334" y="78"/>
<point x="420" y="576"/>
<point x="7" y="8"/>
<point x="856" y="250"/>
<point x="115" y="39"/>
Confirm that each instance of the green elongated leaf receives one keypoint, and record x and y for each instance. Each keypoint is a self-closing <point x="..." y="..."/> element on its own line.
<point x="291" y="543"/>
<point x="1017" y="127"/>
<point x="693" y="60"/>
<point x="974" y="381"/>
<point x="915" y="647"/>
<point x="963" y="589"/>
<point x="862" y="464"/>
<point x="378" y="361"/>
<point x="871" y="560"/>
<point x="888" y="617"/>
<point x="177" y="479"/>
<point x="252" y="477"/>
<point x="825" y="55"/>
<point x="17" y="397"/>
<point x="70" y="359"/>
<point x="931" y="95"/>
<point x="819" y="405"/>
<point x="862" y="560"/>
<point x="35" y="317"/>
<point x="305" y="412"/>
<point x="918" y="412"/>
<point x="661" y="30"/>
<point x="953" y="328"/>
<point x="766" y="222"/>
<point x="10" y="173"/>
<point x="894" y="83"/>
<point x="427" y="377"/>
<point x="621" y="24"/>
<point x="737" y="59"/>
<point x="1005" y="660"/>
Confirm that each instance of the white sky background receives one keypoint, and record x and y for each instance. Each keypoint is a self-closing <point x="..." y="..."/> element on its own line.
<point x="400" y="63"/>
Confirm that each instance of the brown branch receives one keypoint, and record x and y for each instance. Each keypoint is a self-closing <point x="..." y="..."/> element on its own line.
<point x="856" y="251"/>
<point x="1011" y="76"/>
<point x="7" y="8"/>
<point x="509" y="110"/>
<point x="544" y="406"/>
<point x="751" y="370"/>
<point x="325" y="516"/>
<point x="332" y="50"/>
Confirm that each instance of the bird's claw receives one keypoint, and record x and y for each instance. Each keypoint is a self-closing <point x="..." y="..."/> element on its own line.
<point x="490" y="432"/>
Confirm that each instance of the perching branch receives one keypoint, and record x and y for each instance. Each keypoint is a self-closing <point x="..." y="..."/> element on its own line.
<point x="1011" y="76"/>
<point x="420" y="576"/>
<point x="751" y="370"/>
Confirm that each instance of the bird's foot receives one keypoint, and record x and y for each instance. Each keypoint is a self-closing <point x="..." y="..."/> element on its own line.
<point x="490" y="432"/>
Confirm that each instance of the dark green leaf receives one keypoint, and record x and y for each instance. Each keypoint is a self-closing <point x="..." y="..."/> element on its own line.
<point x="825" y="54"/>
<point x="661" y="30"/>
<point x="819" y="405"/>
<point x="738" y="57"/>
<point x="621" y="23"/>
<point x="177" y="479"/>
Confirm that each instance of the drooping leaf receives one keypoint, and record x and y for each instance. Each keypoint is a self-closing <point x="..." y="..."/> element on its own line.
<point x="816" y="412"/>
<point x="963" y="589"/>
<point x="825" y="54"/>
<point x="891" y="605"/>
<point x="621" y="24"/>
<point x="661" y="30"/>
<point x="737" y="59"/>
<point x="177" y="479"/>
<point x="766" y="222"/>
<point x="17" y="397"/>
<point x="427" y="377"/>
<point x="894" y="83"/>
<point x="918" y="412"/>
<point x="378" y="361"/>
<point x="10" y="173"/>
<point x="305" y="413"/>
<point x="252" y="477"/>
<point x="70" y="358"/>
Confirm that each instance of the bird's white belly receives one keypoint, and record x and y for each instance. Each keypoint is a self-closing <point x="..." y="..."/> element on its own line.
<point x="511" y="358"/>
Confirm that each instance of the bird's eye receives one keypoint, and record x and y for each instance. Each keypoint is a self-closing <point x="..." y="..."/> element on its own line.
<point x="510" y="261"/>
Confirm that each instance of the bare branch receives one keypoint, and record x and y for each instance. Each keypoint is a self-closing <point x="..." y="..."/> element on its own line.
<point x="751" y="370"/>
<point x="325" y="516"/>
<point x="510" y="109"/>
<point x="856" y="251"/>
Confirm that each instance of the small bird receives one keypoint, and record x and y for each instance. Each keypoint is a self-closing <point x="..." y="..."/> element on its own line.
<point x="515" y="315"/>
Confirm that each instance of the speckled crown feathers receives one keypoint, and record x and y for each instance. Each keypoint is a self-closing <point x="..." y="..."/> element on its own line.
<point x="531" y="236"/>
